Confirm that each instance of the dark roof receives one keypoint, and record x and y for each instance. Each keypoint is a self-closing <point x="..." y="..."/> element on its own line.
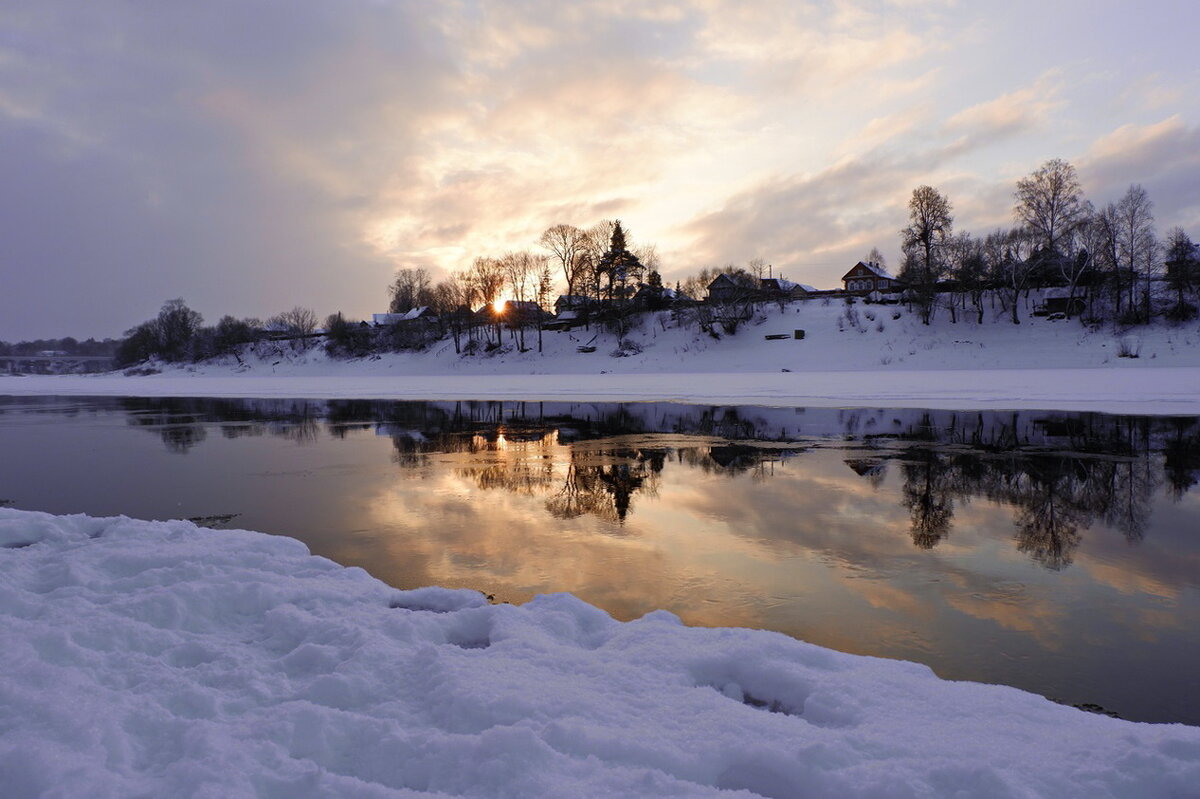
<point x="873" y="268"/>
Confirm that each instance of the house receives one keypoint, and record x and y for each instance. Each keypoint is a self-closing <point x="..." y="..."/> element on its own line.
<point x="867" y="276"/>
<point x="424" y="312"/>
<point x="521" y="312"/>
<point x="1059" y="301"/>
<point x="572" y="302"/>
<point x="724" y="288"/>
<point x="777" y="288"/>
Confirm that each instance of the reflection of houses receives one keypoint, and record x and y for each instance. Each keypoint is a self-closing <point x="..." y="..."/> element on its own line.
<point x="865" y="277"/>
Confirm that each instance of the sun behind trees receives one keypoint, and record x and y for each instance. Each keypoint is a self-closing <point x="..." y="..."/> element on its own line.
<point x="1103" y="264"/>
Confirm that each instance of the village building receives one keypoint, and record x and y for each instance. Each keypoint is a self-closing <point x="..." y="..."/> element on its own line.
<point x="724" y="288"/>
<point x="775" y="288"/>
<point x="867" y="276"/>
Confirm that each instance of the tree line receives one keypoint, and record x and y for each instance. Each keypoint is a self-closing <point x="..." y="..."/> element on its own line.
<point x="1109" y="259"/>
<point x="66" y="346"/>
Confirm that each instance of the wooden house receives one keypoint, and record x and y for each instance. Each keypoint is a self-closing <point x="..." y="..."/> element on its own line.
<point x="867" y="276"/>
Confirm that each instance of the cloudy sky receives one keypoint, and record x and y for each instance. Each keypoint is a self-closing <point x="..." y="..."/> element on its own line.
<point x="253" y="155"/>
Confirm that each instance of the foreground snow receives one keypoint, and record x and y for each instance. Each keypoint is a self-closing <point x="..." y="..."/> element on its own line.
<point x="161" y="659"/>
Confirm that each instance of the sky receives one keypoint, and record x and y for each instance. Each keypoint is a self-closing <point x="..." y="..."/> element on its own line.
<point x="254" y="155"/>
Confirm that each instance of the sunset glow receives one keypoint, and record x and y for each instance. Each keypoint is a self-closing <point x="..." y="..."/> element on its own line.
<point x="229" y="152"/>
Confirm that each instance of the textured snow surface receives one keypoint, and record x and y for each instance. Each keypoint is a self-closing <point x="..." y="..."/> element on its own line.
<point x="161" y="659"/>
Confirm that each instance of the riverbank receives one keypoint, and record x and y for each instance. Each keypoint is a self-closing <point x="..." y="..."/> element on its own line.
<point x="1146" y="390"/>
<point x="859" y="355"/>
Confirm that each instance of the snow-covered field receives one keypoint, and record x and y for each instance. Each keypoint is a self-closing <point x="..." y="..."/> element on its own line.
<point x="161" y="659"/>
<point x="864" y="355"/>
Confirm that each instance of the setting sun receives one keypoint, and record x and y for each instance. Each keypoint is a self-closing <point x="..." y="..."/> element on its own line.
<point x="498" y="306"/>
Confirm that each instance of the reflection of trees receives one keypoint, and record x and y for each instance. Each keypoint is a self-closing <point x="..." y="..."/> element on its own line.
<point x="603" y="483"/>
<point x="928" y="495"/>
<point x="1059" y="472"/>
<point x="1052" y="502"/>
<point x="1181" y="456"/>
<point x="180" y="438"/>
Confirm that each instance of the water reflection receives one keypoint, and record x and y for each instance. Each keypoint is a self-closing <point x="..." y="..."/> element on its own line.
<point x="1059" y="473"/>
<point x="1055" y="552"/>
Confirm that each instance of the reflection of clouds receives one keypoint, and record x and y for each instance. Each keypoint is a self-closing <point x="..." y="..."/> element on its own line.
<point x="1044" y="620"/>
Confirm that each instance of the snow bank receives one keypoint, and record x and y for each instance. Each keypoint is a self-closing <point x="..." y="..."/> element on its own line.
<point x="1163" y="391"/>
<point x="161" y="659"/>
<point x="861" y="355"/>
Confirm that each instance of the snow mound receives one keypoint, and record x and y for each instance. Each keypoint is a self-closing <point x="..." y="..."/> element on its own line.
<point x="162" y="659"/>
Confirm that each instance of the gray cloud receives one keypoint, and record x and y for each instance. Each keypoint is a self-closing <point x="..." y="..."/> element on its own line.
<point x="250" y="156"/>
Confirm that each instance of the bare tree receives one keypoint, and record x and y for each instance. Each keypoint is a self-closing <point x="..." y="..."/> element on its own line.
<point x="1050" y="203"/>
<point x="487" y="278"/>
<point x="521" y="270"/>
<point x="1137" y="247"/>
<point x="876" y="257"/>
<point x="1009" y="257"/>
<point x="298" y="321"/>
<point x="930" y="224"/>
<point x="568" y="244"/>
<point x="410" y="289"/>
<point x="967" y="264"/>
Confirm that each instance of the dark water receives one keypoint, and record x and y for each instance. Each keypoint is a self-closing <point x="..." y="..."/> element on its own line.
<point x="1059" y="553"/>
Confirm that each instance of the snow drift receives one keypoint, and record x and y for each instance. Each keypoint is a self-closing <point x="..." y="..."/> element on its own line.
<point x="158" y="658"/>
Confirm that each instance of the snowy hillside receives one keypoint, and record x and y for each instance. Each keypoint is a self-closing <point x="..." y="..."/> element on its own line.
<point x="836" y="337"/>
<point x="162" y="659"/>
<point x="865" y="355"/>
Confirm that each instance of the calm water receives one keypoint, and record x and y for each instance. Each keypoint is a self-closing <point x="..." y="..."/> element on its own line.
<point x="1059" y="553"/>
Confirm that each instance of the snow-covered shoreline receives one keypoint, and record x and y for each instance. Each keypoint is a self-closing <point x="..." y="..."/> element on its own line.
<point x="1146" y="390"/>
<point x="159" y="658"/>
<point x="858" y="355"/>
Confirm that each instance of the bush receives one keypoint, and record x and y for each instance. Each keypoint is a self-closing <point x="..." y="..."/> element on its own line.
<point x="1182" y="312"/>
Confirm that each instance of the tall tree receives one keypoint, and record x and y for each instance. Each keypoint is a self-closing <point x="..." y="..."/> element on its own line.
<point x="568" y="244"/>
<point x="1137" y="247"/>
<point x="930" y="224"/>
<point x="619" y="265"/>
<point x="1050" y="203"/>
<point x="410" y="289"/>
<point x="487" y="279"/>
<point x="1182" y="262"/>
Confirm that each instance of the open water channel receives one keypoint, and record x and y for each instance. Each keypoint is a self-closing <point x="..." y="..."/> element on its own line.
<point x="1055" y="552"/>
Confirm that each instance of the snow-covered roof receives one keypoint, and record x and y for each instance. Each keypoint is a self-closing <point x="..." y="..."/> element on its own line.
<point x="386" y="318"/>
<point x="415" y="313"/>
<point x="876" y="269"/>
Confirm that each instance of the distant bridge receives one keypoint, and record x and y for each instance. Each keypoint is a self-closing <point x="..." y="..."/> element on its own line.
<point x="54" y="364"/>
